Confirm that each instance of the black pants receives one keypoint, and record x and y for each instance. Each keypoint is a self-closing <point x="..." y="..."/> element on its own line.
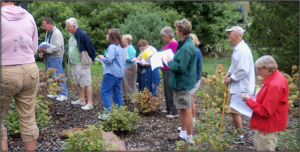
<point x="171" y="108"/>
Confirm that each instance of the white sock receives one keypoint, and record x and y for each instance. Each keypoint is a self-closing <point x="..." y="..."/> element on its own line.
<point x="189" y="138"/>
<point x="241" y="136"/>
<point x="194" y="119"/>
<point x="182" y="134"/>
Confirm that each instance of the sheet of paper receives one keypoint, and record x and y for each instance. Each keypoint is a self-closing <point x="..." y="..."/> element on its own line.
<point x="156" y="60"/>
<point x="44" y="45"/>
<point x="167" y="53"/>
<point x="239" y="105"/>
<point x="101" y="61"/>
<point x="142" y="61"/>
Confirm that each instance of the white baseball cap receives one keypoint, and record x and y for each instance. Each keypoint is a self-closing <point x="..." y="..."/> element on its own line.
<point x="236" y="29"/>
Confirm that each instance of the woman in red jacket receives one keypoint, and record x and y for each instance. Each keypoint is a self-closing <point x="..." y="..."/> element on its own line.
<point x="270" y="111"/>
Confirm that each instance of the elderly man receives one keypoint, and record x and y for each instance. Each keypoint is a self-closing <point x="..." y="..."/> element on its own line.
<point x="54" y="54"/>
<point x="241" y="75"/>
<point x="82" y="55"/>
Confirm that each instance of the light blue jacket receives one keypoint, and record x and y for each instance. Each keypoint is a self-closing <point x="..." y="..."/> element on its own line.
<point x="115" y="60"/>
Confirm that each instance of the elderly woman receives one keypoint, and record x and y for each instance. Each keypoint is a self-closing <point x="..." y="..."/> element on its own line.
<point x="147" y="78"/>
<point x="183" y="77"/>
<point x="168" y="35"/>
<point x="114" y="60"/>
<point x="128" y="84"/>
<point x="270" y="110"/>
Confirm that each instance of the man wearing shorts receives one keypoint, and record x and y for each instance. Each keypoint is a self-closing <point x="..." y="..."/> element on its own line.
<point x="82" y="55"/>
<point x="241" y="74"/>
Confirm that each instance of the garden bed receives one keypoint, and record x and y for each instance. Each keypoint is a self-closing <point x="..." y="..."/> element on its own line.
<point x="152" y="132"/>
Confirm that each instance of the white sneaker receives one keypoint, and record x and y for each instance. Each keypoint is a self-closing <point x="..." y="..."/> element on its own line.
<point x="61" y="98"/>
<point x="78" y="102"/>
<point x="179" y="128"/>
<point x="104" y="116"/>
<point x="86" y="107"/>
<point x="52" y="96"/>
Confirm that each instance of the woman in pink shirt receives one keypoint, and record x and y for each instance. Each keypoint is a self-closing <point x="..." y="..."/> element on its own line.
<point x="168" y="35"/>
<point x="19" y="72"/>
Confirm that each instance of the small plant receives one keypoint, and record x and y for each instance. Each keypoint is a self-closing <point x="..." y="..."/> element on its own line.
<point x="206" y="131"/>
<point x="50" y="85"/>
<point x="91" y="139"/>
<point x="145" y="101"/>
<point x="212" y="92"/>
<point x="289" y="138"/>
<point x="41" y="112"/>
<point x="120" y="119"/>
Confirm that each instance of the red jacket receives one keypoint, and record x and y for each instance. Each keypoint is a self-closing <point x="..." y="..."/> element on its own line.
<point x="270" y="111"/>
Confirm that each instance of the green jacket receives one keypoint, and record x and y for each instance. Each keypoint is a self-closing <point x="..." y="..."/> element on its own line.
<point x="183" y="67"/>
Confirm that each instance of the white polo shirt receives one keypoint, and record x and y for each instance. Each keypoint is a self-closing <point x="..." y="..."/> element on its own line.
<point x="242" y="70"/>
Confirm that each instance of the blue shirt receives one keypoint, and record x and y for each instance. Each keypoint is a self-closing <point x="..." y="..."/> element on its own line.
<point x="131" y="53"/>
<point x="199" y="63"/>
<point x="116" y="55"/>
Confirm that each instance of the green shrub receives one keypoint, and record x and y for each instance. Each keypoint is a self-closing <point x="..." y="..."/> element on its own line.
<point x="41" y="116"/>
<point x="120" y="119"/>
<point x="289" y="138"/>
<point x="206" y="134"/>
<point x="212" y="94"/>
<point x="145" y="101"/>
<point x="91" y="139"/>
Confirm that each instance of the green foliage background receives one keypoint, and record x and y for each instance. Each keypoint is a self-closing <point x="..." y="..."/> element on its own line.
<point x="275" y="31"/>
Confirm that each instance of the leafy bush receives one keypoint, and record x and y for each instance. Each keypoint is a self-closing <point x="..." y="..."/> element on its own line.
<point x="145" y="101"/>
<point x="50" y="85"/>
<point x="144" y="25"/>
<point x="41" y="116"/>
<point x="212" y="94"/>
<point x="91" y="139"/>
<point x="289" y="138"/>
<point x="206" y="132"/>
<point x="120" y="119"/>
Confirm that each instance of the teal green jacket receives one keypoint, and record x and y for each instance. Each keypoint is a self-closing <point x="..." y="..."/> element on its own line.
<point x="183" y="67"/>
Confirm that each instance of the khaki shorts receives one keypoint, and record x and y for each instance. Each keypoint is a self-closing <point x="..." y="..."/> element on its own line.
<point x="197" y="85"/>
<point x="82" y="76"/>
<point x="21" y="83"/>
<point x="182" y="99"/>
<point x="230" y="109"/>
<point x="265" y="142"/>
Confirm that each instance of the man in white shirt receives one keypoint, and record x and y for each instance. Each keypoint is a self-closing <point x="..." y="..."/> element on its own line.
<point x="241" y="74"/>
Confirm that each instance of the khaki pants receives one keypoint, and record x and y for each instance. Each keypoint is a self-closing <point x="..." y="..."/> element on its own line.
<point x="265" y="142"/>
<point x="21" y="83"/>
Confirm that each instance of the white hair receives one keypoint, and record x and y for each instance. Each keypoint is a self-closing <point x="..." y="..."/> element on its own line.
<point x="72" y="22"/>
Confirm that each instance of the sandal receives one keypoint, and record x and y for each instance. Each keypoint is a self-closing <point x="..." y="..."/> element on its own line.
<point x="172" y="116"/>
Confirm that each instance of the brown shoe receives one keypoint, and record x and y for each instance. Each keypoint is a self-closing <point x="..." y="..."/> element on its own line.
<point x="175" y="138"/>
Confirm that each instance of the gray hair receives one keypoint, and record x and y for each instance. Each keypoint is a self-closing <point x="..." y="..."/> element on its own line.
<point x="167" y="31"/>
<point x="72" y="22"/>
<point x="266" y="61"/>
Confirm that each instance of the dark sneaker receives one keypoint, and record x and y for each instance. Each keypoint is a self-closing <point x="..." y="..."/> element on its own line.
<point x="238" y="140"/>
<point x="175" y="138"/>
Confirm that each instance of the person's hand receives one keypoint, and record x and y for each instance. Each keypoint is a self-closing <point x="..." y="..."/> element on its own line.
<point x="168" y="59"/>
<point x="133" y="60"/>
<point x="101" y="57"/>
<point x="42" y="50"/>
<point x="245" y="97"/>
<point x="41" y="55"/>
<point x="227" y="80"/>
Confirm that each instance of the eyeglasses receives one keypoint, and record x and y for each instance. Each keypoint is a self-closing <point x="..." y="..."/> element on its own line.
<point x="181" y="22"/>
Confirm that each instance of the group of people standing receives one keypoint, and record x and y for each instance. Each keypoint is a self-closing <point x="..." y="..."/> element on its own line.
<point x="181" y="75"/>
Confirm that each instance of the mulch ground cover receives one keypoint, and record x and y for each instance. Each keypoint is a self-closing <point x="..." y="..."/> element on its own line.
<point x="152" y="132"/>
